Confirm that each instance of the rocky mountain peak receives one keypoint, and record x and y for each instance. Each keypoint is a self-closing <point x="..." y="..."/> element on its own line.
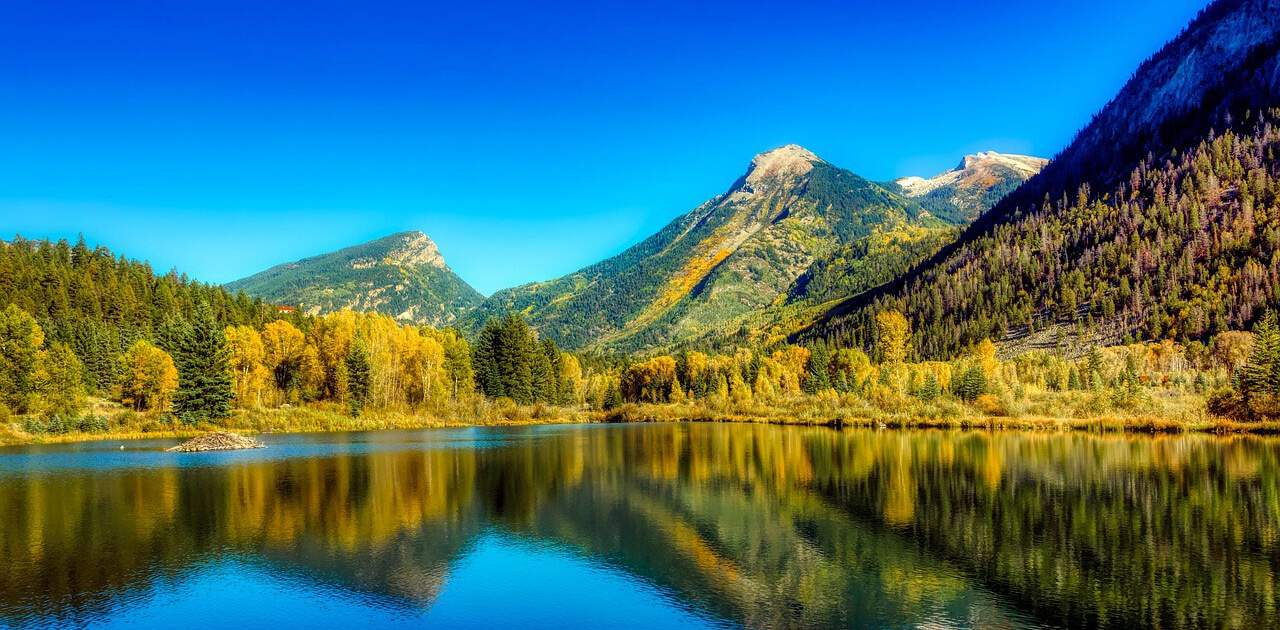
<point x="416" y="249"/>
<point x="1026" y="165"/>
<point x="982" y="169"/>
<point x="782" y="164"/>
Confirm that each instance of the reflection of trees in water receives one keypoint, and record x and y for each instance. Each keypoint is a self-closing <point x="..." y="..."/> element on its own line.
<point x="768" y="526"/>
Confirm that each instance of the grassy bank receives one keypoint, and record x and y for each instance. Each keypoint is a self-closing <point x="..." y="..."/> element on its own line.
<point x="1170" y="414"/>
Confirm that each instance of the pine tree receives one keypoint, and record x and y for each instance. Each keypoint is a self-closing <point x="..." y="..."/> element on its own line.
<point x="1073" y="379"/>
<point x="484" y="360"/>
<point x="204" y="376"/>
<point x="515" y="358"/>
<point x="546" y="384"/>
<point x="613" y="395"/>
<point x="357" y="377"/>
<point x="1093" y="368"/>
<point x="1260" y="376"/>
<point x="972" y="383"/>
<point x="819" y="369"/>
<point x="930" y="390"/>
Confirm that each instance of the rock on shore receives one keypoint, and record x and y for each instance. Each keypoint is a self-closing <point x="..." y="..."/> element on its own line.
<point x="217" y="441"/>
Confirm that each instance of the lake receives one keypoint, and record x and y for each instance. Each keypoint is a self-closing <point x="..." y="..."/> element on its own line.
<point x="644" y="526"/>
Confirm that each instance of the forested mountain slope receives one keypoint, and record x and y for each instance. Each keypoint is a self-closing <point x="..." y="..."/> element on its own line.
<point x="1156" y="221"/>
<point x="98" y="303"/>
<point x="792" y="232"/>
<point x="734" y="254"/>
<point x="402" y="275"/>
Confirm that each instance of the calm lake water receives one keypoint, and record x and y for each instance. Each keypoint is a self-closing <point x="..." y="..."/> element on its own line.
<point x="644" y="526"/>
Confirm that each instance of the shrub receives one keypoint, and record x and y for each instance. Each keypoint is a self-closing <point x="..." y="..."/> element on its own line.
<point x="990" y="404"/>
<point x="1224" y="402"/>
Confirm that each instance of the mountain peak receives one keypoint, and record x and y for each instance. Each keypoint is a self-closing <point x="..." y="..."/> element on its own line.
<point x="413" y="249"/>
<point x="976" y="169"/>
<point x="974" y="185"/>
<point x="783" y="163"/>
<point x="402" y="275"/>
<point x="1025" y="164"/>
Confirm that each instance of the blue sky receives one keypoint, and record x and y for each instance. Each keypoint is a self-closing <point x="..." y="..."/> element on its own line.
<point x="527" y="140"/>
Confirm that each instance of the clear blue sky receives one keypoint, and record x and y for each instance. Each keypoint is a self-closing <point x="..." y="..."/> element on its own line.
<point x="527" y="139"/>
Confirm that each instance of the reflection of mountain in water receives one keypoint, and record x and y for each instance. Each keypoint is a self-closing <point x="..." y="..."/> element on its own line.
<point x="764" y="526"/>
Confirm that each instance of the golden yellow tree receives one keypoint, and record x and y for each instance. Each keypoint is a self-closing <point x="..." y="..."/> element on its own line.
<point x="985" y="352"/>
<point x="248" y="372"/>
<point x="571" y="383"/>
<point x="893" y="336"/>
<point x="282" y="348"/>
<point x="148" y="377"/>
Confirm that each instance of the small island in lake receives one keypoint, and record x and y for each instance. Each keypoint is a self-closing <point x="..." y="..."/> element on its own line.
<point x="217" y="441"/>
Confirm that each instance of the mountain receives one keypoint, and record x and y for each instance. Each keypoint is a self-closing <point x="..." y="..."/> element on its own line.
<point x="964" y="192"/>
<point x="734" y="261"/>
<point x="402" y="275"/>
<point x="1159" y="219"/>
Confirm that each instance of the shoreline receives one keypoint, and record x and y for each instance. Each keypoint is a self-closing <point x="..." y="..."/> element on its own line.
<point x="312" y="420"/>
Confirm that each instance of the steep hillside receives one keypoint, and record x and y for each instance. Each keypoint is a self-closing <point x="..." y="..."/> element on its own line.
<point x="793" y="230"/>
<point x="734" y="254"/>
<point x="966" y="191"/>
<point x="1156" y="221"/>
<point x="402" y="275"/>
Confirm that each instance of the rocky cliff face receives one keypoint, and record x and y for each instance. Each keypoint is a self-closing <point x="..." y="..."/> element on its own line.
<point x="402" y="275"/>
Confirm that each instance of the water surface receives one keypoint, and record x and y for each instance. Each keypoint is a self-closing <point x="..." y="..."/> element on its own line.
<point x="643" y="526"/>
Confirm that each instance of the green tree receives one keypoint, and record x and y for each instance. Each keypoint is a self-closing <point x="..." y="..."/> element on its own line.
<point x="545" y="375"/>
<point x="59" y="381"/>
<point x="357" y="377"/>
<point x="1261" y="373"/>
<point x="204" y="373"/>
<point x="505" y="356"/>
<point x="930" y="389"/>
<point x="20" y="341"/>
<point x="818" y="372"/>
<point x="971" y="384"/>
<point x="613" y="395"/>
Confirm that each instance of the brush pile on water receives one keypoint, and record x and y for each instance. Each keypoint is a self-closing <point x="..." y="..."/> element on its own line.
<point x="217" y="441"/>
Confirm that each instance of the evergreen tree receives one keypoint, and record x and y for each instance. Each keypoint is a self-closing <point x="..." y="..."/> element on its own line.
<point x="357" y="377"/>
<point x="516" y="355"/>
<point x="930" y="390"/>
<point x="484" y="360"/>
<point x="1093" y="369"/>
<point x="818" y="376"/>
<point x="613" y="395"/>
<point x="1128" y="390"/>
<point x="971" y="384"/>
<point x="546" y="383"/>
<point x="1261" y="374"/>
<point x="505" y="358"/>
<point x="204" y="376"/>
